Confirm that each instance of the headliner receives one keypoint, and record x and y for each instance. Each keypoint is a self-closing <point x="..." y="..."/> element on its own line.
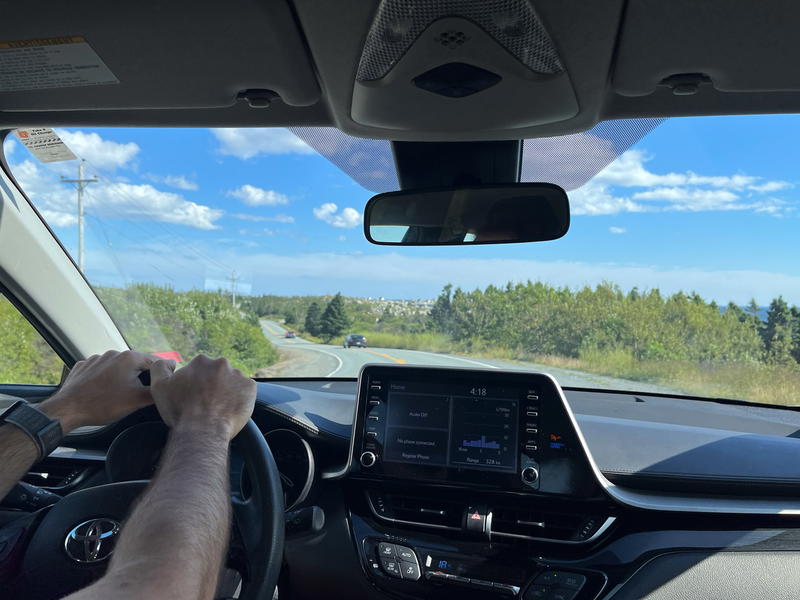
<point x="183" y="63"/>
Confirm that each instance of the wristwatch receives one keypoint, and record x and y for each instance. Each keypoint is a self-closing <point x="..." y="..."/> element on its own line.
<point x="44" y="432"/>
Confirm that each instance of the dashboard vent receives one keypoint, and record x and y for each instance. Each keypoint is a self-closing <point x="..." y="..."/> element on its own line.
<point x="54" y="475"/>
<point x="417" y="510"/>
<point x="523" y="523"/>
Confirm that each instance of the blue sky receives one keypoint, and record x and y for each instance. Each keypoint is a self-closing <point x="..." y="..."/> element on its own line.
<point x="706" y="204"/>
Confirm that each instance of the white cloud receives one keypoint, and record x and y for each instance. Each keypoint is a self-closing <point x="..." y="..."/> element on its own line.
<point x="770" y="186"/>
<point x="685" y="192"/>
<point x="180" y="182"/>
<point x="117" y="200"/>
<point x="617" y="230"/>
<point x="9" y="146"/>
<point x="281" y="218"/>
<point x="597" y="199"/>
<point x="342" y="238"/>
<point x="59" y="219"/>
<point x="247" y="143"/>
<point x="256" y="196"/>
<point x="98" y="152"/>
<point x="347" y="218"/>
<point x="405" y="276"/>
<point x="248" y="217"/>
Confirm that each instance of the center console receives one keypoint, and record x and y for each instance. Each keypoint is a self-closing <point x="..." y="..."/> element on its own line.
<point x="457" y="473"/>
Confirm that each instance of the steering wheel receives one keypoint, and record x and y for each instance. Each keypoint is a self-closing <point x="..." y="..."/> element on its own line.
<point x="53" y="567"/>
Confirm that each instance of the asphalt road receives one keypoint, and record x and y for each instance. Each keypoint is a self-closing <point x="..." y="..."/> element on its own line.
<point x="303" y="358"/>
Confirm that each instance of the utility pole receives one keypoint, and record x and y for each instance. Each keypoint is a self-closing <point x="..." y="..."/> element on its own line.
<point x="233" y="279"/>
<point x="80" y="184"/>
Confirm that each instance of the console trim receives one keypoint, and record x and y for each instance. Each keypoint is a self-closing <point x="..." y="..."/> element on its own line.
<point x="624" y="496"/>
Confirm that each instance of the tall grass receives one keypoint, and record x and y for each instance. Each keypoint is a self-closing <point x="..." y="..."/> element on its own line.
<point x="754" y="382"/>
<point x="432" y="342"/>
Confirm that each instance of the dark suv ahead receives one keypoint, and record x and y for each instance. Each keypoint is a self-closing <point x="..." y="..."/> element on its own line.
<point x="355" y="339"/>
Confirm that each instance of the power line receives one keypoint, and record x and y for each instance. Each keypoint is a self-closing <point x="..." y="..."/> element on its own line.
<point x="233" y="278"/>
<point x="170" y="231"/>
<point x="80" y="185"/>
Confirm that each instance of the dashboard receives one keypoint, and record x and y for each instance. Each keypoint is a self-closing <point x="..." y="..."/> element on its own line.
<point x="417" y="482"/>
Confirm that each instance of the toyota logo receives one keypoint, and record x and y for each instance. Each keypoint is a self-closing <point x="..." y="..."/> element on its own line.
<point x="92" y="541"/>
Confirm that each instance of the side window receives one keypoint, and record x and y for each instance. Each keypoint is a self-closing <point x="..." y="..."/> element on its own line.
<point x="25" y="357"/>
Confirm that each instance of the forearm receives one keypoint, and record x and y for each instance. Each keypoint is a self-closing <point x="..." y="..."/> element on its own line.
<point x="17" y="453"/>
<point x="17" y="450"/>
<point x="175" y="539"/>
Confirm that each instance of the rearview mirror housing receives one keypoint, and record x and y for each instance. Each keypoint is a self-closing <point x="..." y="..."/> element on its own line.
<point x="489" y="214"/>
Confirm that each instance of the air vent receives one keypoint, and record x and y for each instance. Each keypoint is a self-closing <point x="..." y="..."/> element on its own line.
<point x="56" y="475"/>
<point x="523" y="523"/>
<point x="508" y="522"/>
<point x="417" y="510"/>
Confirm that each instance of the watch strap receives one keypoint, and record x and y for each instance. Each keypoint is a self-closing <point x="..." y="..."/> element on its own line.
<point x="45" y="432"/>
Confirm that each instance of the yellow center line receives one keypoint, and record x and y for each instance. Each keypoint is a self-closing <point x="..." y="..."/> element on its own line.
<point x="399" y="361"/>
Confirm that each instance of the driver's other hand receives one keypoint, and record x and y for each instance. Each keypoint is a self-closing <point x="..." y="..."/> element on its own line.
<point x="101" y="390"/>
<point x="205" y="393"/>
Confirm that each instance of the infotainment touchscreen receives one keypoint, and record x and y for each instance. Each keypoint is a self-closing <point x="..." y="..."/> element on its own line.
<point x="507" y="430"/>
<point x="452" y="425"/>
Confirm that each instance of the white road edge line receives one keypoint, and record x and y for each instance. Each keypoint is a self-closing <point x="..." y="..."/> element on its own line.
<point x="467" y="360"/>
<point x="341" y="363"/>
<point x="311" y="346"/>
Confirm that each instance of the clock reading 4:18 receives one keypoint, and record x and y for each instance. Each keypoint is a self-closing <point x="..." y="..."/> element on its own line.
<point x="478" y="391"/>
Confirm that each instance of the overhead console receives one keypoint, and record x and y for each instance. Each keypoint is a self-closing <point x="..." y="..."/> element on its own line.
<point x="509" y="431"/>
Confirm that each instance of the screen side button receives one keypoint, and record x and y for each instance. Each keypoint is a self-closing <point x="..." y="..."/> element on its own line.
<point x="368" y="459"/>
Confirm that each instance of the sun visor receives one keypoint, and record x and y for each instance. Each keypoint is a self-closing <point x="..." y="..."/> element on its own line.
<point x="127" y="55"/>
<point x="732" y="46"/>
<point x="442" y="65"/>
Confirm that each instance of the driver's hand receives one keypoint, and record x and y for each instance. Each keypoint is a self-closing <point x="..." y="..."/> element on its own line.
<point x="100" y="390"/>
<point x="204" y="393"/>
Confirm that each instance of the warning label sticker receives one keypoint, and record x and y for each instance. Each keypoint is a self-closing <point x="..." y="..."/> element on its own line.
<point x="48" y="63"/>
<point x="44" y="144"/>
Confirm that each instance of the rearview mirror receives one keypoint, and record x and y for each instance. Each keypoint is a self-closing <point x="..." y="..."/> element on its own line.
<point x="497" y="214"/>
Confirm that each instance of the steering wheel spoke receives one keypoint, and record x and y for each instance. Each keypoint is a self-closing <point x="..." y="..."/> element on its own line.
<point x="55" y="565"/>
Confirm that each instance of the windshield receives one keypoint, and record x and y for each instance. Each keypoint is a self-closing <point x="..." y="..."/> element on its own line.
<point x="679" y="273"/>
